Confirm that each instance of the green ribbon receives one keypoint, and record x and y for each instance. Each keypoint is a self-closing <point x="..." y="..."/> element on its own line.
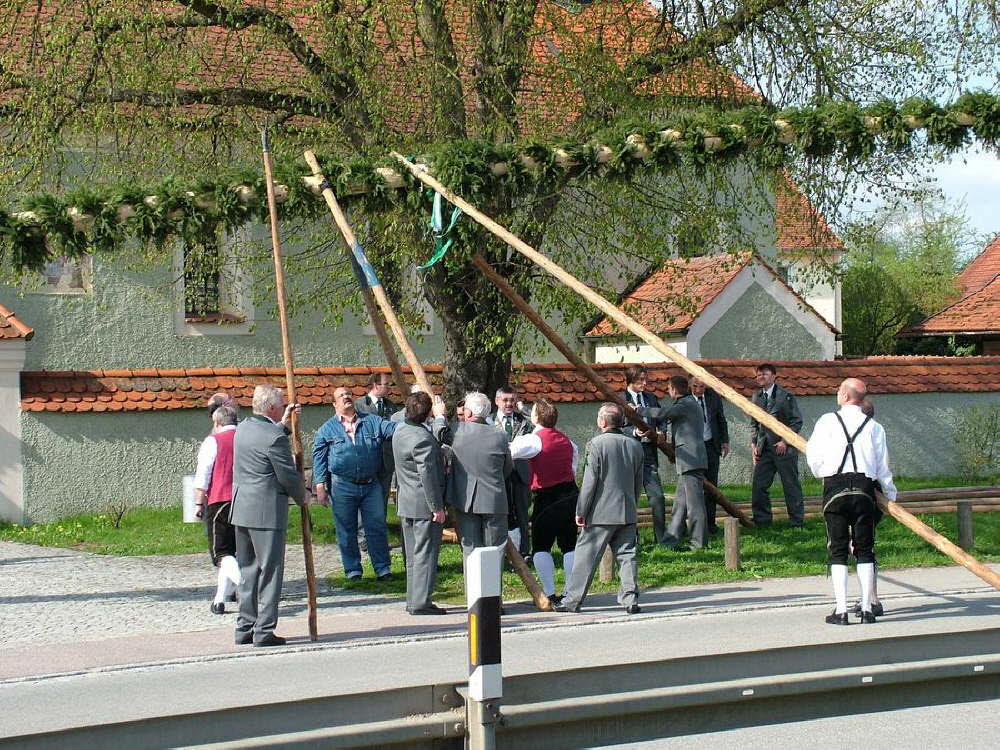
<point x="442" y="242"/>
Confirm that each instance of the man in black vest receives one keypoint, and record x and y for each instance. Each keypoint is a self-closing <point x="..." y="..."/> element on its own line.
<point x="773" y="455"/>
<point x="716" y="435"/>
<point x="636" y="394"/>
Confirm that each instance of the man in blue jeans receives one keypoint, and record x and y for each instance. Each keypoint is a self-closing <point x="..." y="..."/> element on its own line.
<point x="347" y="458"/>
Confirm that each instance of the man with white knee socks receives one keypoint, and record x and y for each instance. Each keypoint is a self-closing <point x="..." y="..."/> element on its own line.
<point x="213" y="496"/>
<point x="847" y="451"/>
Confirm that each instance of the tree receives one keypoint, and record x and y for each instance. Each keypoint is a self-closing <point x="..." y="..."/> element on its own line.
<point x="901" y="266"/>
<point x="153" y="87"/>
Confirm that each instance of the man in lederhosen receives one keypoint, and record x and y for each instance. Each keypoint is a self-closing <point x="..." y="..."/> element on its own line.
<point x="847" y="451"/>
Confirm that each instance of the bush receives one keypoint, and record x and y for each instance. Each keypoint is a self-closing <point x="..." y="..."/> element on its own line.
<point x="977" y="437"/>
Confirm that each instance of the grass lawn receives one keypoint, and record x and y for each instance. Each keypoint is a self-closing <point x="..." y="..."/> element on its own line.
<point x="766" y="553"/>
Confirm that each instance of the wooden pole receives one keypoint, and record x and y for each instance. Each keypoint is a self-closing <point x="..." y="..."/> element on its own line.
<point x="966" y="531"/>
<point x="286" y="348"/>
<point x="607" y="567"/>
<point x="371" y="280"/>
<point x="732" y="540"/>
<point x="371" y="306"/>
<point x="744" y="404"/>
<point x="596" y="380"/>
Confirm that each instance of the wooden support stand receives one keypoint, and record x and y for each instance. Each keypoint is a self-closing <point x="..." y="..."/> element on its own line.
<point x="741" y="402"/>
<point x="966" y="531"/>
<point x="731" y="529"/>
<point x="607" y="570"/>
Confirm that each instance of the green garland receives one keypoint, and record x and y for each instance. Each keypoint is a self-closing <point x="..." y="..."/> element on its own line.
<point x="102" y="220"/>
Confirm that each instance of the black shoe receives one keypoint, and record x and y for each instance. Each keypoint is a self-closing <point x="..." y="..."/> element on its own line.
<point x="384" y="577"/>
<point x="868" y="618"/>
<point x="555" y="599"/>
<point x="218" y="608"/>
<point x="877" y="609"/>
<point x="430" y="609"/>
<point x="633" y="609"/>
<point x="270" y="640"/>
<point x="834" y="619"/>
<point x="243" y="639"/>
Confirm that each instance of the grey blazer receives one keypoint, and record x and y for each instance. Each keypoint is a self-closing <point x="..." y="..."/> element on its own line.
<point x="612" y="480"/>
<point x="264" y="475"/>
<point x="686" y="430"/>
<point x="481" y="464"/>
<point x="783" y="406"/>
<point x="419" y="471"/>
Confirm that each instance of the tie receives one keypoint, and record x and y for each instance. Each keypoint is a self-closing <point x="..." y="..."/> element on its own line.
<point x="704" y="409"/>
<point x="641" y="398"/>
<point x="509" y="427"/>
<point x="378" y="406"/>
<point x="764" y="393"/>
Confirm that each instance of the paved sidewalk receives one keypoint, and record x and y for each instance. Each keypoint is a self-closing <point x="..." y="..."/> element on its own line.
<point x="65" y="612"/>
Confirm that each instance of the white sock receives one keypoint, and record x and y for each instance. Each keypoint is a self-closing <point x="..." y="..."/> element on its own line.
<point x="839" y="575"/>
<point x="875" y="585"/>
<point x="866" y="576"/>
<point x="221" y="587"/>
<point x="567" y="568"/>
<point x="231" y="568"/>
<point x="546" y="568"/>
<point x="515" y="537"/>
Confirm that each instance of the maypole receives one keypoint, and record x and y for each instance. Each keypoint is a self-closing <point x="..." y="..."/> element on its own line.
<point x="741" y="402"/>
<point x="286" y="349"/>
<point x="371" y="281"/>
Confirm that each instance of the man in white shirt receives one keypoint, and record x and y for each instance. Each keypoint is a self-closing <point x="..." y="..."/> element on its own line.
<point x="847" y="450"/>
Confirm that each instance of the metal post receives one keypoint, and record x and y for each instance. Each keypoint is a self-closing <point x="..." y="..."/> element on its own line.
<point x="966" y="533"/>
<point x="483" y="598"/>
<point x="732" y="536"/>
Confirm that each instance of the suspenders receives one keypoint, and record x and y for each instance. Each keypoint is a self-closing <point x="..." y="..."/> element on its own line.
<point x="850" y="443"/>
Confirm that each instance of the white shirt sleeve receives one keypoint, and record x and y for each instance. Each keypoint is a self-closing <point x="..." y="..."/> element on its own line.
<point x="206" y="462"/>
<point x="882" y="471"/>
<point x="816" y="448"/>
<point x="525" y="446"/>
<point x="576" y="456"/>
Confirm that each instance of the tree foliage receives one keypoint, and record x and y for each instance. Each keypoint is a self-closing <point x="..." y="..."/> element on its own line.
<point x="101" y="91"/>
<point x="901" y="267"/>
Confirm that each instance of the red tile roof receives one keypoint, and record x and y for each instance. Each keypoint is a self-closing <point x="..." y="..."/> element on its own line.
<point x="670" y="299"/>
<point x="157" y="389"/>
<point x="977" y="313"/>
<point x="983" y="269"/>
<point x="799" y="225"/>
<point x="12" y="328"/>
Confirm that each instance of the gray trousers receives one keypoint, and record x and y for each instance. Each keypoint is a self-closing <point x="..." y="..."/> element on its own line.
<point x="422" y="538"/>
<point x="261" y="557"/>
<point x="689" y="511"/>
<point x="657" y="503"/>
<point x="589" y="547"/>
<point x="480" y="530"/>
<point x="712" y="475"/>
<point x="787" y="467"/>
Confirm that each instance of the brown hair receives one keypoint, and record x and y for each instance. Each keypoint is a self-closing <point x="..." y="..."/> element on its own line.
<point x="633" y="372"/>
<point x="546" y="413"/>
<point x="376" y="377"/>
<point x="418" y="406"/>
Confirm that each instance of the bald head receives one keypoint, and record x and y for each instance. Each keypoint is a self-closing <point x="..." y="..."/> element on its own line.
<point x="852" y="391"/>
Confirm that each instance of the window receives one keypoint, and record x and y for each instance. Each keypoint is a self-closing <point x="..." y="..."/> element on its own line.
<point x="212" y="290"/>
<point x="67" y="276"/>
<point x="202" y="300"/>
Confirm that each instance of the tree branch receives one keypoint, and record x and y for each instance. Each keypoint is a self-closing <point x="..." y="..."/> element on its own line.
<point x="725" y="31"/>
<point x="446" y="81"/>
<point x="268" y="101"/>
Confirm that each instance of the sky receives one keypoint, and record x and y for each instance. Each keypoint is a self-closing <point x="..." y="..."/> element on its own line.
<point x="973" y="179"/>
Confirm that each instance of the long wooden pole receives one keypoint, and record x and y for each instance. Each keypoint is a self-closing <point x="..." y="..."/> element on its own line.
<point x="744" y="404"/>
<point x="371" y="279"/>
<point x="596" y="380"/>
<point x="286" y="348"/>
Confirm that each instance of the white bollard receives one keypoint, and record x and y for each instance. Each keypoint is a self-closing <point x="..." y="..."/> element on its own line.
<point x="190" y="509"/>
<point x="483" y="599"/>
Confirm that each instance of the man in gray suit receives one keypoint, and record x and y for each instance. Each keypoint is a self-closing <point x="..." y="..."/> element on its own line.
<point x="513" y="423"/>
<point x="420" y="476"/>
<point x="687" y="432"/>
<point x="264" y="477"/>
<point x="605" y="509"/>
<point x="480" y="466"/>
<point x="773" y="455"/>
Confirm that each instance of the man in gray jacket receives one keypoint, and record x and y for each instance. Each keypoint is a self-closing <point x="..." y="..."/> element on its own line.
<point x="686" y="429"/>
<point x="481" y="464"/>
<point x="264" y="477"/>
<point x="420" y="479"/>
<point x="605" y="509"/>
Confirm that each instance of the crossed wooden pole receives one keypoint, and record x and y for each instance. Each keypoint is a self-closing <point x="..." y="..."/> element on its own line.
<point x="741" y="402"/>
<point x="371" y="283"/>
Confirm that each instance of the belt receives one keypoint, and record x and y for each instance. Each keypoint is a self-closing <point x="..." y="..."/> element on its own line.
<point x="354" y="481"/>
